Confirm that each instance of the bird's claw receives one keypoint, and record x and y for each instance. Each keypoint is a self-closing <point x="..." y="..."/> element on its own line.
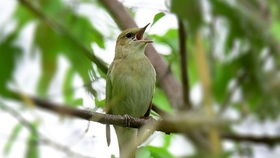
<point x="127" y="120"/>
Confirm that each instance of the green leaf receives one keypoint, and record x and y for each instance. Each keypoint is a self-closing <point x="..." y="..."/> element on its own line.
<point x="160" y="100"/>
<point x="49" y="44"/>
<point x="167" y="140"/>
<point x="143" y="152"/>
<point x="67" y="89"/>
<point x="85" y="33"/>
<point x="159" y="152"/>
<point x="32" y="150"/>
<point x="53" y="8"/>
<point x="9" y="53"/>
<point x="170" y="38"/>
<point x="223" y="73"/>
<point x="13" y="136"/>
<point x="240" y="22"/>
<point x="83" y="30"/>
<point x="76" y="102"/>
<point x="100" y="103"/>
<point x="275" y="29"/>
<point x="157" y="17"/>
<point x="23" y="16"/>
<point x="190" y="11"/>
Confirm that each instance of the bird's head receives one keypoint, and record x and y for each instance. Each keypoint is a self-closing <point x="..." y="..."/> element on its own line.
<point x="131" y="41"/>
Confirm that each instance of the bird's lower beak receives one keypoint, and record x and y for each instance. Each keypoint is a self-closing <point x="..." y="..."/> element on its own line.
<point x="140" y="33"/>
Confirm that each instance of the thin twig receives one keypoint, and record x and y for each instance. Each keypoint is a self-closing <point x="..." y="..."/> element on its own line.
<point x="184" y="64"/>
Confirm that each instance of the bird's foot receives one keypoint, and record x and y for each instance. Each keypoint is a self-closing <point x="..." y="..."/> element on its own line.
<point x="128" y="119"/>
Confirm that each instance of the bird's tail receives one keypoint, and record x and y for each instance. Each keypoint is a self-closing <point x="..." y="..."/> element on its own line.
<point x="108" y="134"/>
<point x="127" y="141"/>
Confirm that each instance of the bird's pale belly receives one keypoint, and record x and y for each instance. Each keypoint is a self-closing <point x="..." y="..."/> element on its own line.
<point x="134" y="95"/>
<point x="133" y="88"/>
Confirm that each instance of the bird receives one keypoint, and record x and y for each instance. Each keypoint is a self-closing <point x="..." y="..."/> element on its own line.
<point x="130" y="85"/>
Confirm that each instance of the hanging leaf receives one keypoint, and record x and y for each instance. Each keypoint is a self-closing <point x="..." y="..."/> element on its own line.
<point x="49" y="44"/>
<point x="143" y="152"/>
<point x="23" y="16"/>
<point x="9" y="53"/>
<point x="157" y="17"/>
<point x="160" y="99"/>
<point x="32" y="150"/>
<point x="12" y="138"/>
<point x="189" y="10"/>
<point x="83" y="30"/>
<point x="52" y="8"/>
<point x="68" y="91"/>
<point x="160" y="152"/>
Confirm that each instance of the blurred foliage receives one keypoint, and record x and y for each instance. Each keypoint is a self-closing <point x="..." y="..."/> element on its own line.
<point x="12" y="138"/>
<point x="156" y="152"/>
<point x="253" y="24"/>
<point x="247" y="22"/>
<point x="32" y="150"/>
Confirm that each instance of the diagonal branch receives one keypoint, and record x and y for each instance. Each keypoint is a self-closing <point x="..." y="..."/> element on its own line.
<point x="184" y="63"/>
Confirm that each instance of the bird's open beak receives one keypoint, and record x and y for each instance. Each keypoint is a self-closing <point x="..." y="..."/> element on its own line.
<point x="140" y="33"/>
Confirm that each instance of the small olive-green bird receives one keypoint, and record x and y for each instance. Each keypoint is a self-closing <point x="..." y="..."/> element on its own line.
<point x="130" y="84"/>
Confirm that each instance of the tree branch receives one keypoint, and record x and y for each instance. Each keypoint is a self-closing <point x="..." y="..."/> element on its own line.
<point x="179" y="123"/>
<point x="167" y="81"/>
<point x="184" y="64"/>
<point x="169" y="123"/>
<point x="253" y="139"/>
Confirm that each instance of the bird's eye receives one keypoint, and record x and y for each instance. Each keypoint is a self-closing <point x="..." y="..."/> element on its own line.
<point x="129" y="35"/>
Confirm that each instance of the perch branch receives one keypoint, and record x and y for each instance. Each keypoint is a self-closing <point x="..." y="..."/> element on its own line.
<point x="169" y="124"/>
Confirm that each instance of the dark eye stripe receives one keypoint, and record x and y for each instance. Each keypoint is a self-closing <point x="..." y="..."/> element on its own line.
<point x="129" y="35"/>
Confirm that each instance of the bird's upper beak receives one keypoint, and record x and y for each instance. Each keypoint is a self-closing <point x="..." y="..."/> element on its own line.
<point x="140" y="33"/>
